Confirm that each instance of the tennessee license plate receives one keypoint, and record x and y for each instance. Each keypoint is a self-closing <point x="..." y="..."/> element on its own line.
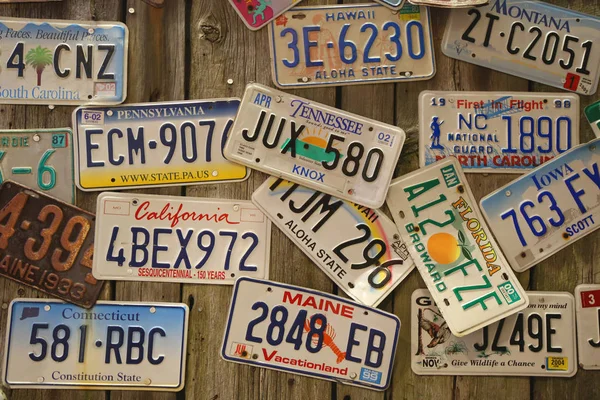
<point x="540" y="213"/>
<point x="537" y="341"/>
<point x="507" y="132"/>
<point x="143" y="237"/>
<point x="393" y="4"/>
<point x="592" y="113"/>
<point x="318" y="146"/>
<point x="114" y="345"/>
<point x="302" y="331"/>
<point x="258" y="13"/>
<point x="530" y="39"/>
<point x="449" y="3"/>
<point x="62" y="62"/>
<point x="588" y="325"/>
<point x="438" y="219"/>
<point x="358" y="247"/>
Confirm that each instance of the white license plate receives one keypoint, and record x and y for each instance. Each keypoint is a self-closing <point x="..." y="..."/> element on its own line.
<point x="507" y="132"/>
<point x="592" y="113"/>
<point x="302" y="331"/>
<point x="588" y="325"/>
<point x="393" y="4"/>
<point x="359" y="248"/>
<point x="114" y="345"/>
<point x="453" y="249"/>
<point x="540" y="213"/>
<point x="530" y="39"/>
<point x="537" y="341"/>
<point x="257" y="13"/>
<point x="449" y="3"/>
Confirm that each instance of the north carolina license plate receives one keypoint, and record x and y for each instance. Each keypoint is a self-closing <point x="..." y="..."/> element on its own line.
<point x="540" y="213"/>
<point x="449" y="3"/>
<point x="453" y="249"/>
<point x="393" y="4"/>
<point x="507" y="132"/>
<point x="258" y="13"/>
<point x="114" y="345"/>
<point x="62" y="62"/>
<point x="321" y="147"/>
<point x="302" y="331"/>
<point x="359" y="248"/>
<point x="530" y="39"/>
<point x="142" y="237"/>
<point x="588" y="325"/>
<point x="538" y="341"/>
<point x="592" y="113"/>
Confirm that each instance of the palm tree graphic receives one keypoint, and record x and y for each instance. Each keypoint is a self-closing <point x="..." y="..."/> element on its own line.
<point x="38" y="58"/>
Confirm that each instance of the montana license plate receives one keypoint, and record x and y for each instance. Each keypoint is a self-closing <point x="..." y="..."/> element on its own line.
<point x="588" y="325"/>
<point x="592" y="113"/>
<point x="302" y="331"/>
<point x="453" y="248"/>
<point x="258" y="13"/>
<point x="114" y="345"/>
<point x="530" y="39"/>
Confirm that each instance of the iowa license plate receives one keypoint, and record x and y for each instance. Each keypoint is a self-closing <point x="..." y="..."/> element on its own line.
<point x="258" y="13"/>
<point x="588" y="325"/>
<point x="302" y="331"/>
<point x="592" y="113"/>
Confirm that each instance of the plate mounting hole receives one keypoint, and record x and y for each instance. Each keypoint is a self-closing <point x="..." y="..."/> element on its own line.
<point x="446" y="302"/>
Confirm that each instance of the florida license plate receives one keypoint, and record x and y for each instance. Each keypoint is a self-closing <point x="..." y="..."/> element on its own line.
<point x="530" y="39"/>
<point x="258" y="13"/>
<point x="449" y="3"/>
<point x="302" y="331"/>
<point x="588" y="325"/>
<point x="592" y="113"/>
<point x="114" y="345"/>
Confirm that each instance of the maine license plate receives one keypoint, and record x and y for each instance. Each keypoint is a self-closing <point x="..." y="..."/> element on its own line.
<point x="449" y="3"/>
<point x="258" y="13"/>
<point x="588" y="325"/>
<point x="358" y="247"/>
<point x="115" y="345"/>
<point x="321" y="147"/>
<point x="592" y="113"/>
<point x="453" y="248"/>
<point x="548" y="209"/>
<point x="302" y="331"/>
<point x="538" y="341"/>
<point x="507" y="132"/>
<point x="393" y="4"/>
<point x="530" y="39"/>
<point x="350" y="44"/>
<point x="62" y="62"/>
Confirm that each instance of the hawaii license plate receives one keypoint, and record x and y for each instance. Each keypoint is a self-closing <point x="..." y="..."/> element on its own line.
<point x="142" y="237"/>
<point x="530" y="39"/>
<point x="592" y="113"/>
<point x="537" y="341"/>
<point x="258" y="13"/>
<point x="350" y="44"/>
<point x="302" y="331"/>
<point x="114" y="345"/>
<point x="588" y="325"/>
<point x="62" y="62"/>
<point x="449" y="3"/>
<point x="453" y="248"/>
<point x="497" y="131"/>
<point x="358" y="247"/>
<point x="540" y="213"/>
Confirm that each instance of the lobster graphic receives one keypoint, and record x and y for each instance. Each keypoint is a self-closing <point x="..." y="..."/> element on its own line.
<point x="328" y="336"/>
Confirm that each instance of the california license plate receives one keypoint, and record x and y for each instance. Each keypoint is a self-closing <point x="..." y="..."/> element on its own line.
<point x="540" y="213"/>
<point x="453" y="249"/>
<point x="588" y="325"/>
<point x="449" y="3"/>
<point x="358" y="247"/>
<point x="507" y="132"/>
<point x="258" y="13"/>
<point x="114" y="345"/>
<point x="393" y="4"/>
<point x="537" y="341"/>
<point x="592" y="113"/>
<point x="530" y="39"/>
<point x="302" y="331"/>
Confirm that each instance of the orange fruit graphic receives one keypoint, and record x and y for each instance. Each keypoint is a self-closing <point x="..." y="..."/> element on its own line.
<point x="443" y="248"/>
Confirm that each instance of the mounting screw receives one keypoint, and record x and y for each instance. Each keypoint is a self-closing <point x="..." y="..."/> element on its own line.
<point x="36" y="138"/>
<point x="132" y="10"/>
<point x="230" y="81"/>
<point x="508" y="193"/>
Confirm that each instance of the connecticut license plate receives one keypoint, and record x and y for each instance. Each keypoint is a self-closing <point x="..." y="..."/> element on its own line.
<point x="258" y="13"/>
<point x="592" y="113"/>
<point x="124" y="346"/>
<point x="449" y="3"/>
<point x="530" y="39"/>
<point x="302" y="331"/>
<point x="588" y="325"/>
<point x="453" y="248"/>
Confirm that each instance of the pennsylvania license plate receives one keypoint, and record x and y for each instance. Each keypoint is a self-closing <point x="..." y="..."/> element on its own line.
<point x="540" y="213"/>
<point x="530" y="39"/>
<point x="449" y="3"/>
<point x="302" y="331"/>
<point x="318" y="146"/>
<point x="358" y="247"/>
<point x="115" y="345"/>
<point x="538" y="341"/>
<point x="453" y="248"/>
<point x="258" y="13"/>
<point x="588" y="325"/>
<point x="393" y="4"/>
<point x="592" y="113"/>
<point x="62" y="62"/>
<point x="507" y="132"/>
<point x="142" y="237"/>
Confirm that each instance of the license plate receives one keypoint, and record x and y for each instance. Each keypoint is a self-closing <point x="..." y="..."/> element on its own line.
<point x="143" y="237"/>
<point x="62" y="62"/>
<point x="449" y="3"/>
<point x="326" y="336"/>
<point x="506" y="132"/>
<point x="258" y="13"/>
<point x="47" y="244"/>
<point x="530" y="39"/>
<point x="592" y="113"/>
<point x="453" y="248"/>
<point x="321" y="147"/>
<point x="114" y="345"/>
<point x="537" y="341"/>
<point x="540" y="213"/>
<point x="393" y="4"/>
<point x="350" y="44"/>
<point x="588" y="325"/>
<point x="358" y="247"/>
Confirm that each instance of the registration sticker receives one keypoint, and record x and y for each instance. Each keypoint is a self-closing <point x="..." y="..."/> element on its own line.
<point x="588" y="325"/>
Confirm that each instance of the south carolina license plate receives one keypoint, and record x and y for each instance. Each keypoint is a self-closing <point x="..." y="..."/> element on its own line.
<point x="530" y="39"/>
<point x="302" y="331"/>
<point x="449" y="3"/>
<point x="588" y="325"/>
<point x="538" y="341"/>
<point x="592" y="113"/>
<point x="114" y="345"/>
<point x="258" y="13"/>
